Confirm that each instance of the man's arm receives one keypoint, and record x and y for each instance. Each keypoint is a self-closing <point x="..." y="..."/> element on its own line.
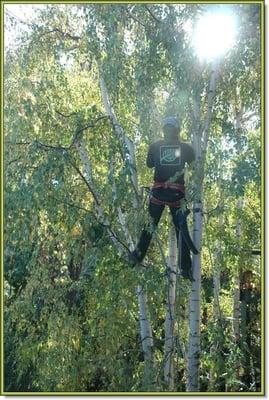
<point x="150" y="158"/>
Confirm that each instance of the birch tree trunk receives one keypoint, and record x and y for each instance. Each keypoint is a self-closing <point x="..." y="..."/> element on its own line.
<point x="236" y="294"/>
<point x="216" y="303"/>
<point x="236" y="309"/>
<point x="169" y="345"/>
<point x="146" y="338"/>
<point x="127" y="143"/>
<point x="216" y="286"/>
<point x="200" y="141"/>
<point x="195" y="298"/>
<point x="129" y="152"/>
<point x="216" y="274"/>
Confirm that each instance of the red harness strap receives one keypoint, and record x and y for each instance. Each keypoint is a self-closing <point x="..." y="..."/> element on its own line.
<point x="154" y="200"/>
<point x="169" y="185"/>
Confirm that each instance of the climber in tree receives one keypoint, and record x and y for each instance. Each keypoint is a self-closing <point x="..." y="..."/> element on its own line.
<point x="168" y="157"/>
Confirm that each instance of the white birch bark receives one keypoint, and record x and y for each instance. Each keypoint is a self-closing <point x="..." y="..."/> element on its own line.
<point x="146" y="337"/>
<point x="128" y="145"/>
<point x="129" y="151"/>
<point x="216" y="274"/>
<point x="121" y="215"/>
<point x="195" y="298"/>
<point x="200" y="142"/>
<point x="216" y="286"/>
<point x="216" y="294"/>
<point x="169" y="344"/>
<point x="236" y="309"/>
<point x="236" y="319"/>
<point x="145" y="327"/>
<point x="236" y="294"/>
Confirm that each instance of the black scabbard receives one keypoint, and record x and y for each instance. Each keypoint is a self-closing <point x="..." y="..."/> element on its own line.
<point x="185" y="231"/>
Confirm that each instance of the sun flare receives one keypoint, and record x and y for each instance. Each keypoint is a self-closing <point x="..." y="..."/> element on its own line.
<point x="214" y="35"/>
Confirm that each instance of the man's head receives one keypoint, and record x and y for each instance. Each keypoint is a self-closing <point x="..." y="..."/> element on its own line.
<point x="171" y="127"/>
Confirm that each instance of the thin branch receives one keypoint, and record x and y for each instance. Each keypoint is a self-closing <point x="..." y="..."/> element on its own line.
<point x="61" y="148"/>
<point x="18" y="143"/>
<point x="92" y="125"/>
<point x="86" y="182"/>
<point x="13" y="161"/>
<point x="32" y="24"/>
<point x="50" y="147"/>
<point x="79" y="131"/>
<point x="57" y="148"/>
<point x="11" y="15"/>
<point x="152" y="14"/>
<point x="65" y="115"/>
<point x="136" y="19"/>
<point x="75" y="206"/>
<point x="65" y="35"/>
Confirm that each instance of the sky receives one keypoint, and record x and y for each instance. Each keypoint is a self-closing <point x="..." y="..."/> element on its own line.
<point x="24" y="13"/>
<point x="222" y="28"/>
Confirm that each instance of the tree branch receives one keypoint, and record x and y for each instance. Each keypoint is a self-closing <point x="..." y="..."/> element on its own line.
<point x="152" y="14"/>
<point x="136" y="19"/>
<point x="13" y="161"/>
<point x="18" y="143"/>
<point x="32" y="24"/>
<point x="61" y="148"/>
<point x="50" y="147"/>
<point x="65" y="35"/>
<point x="65" y="115"/>
<point x="75" y="206"/>
<point x="86" y="182"/>
<point x="92" y="125"/>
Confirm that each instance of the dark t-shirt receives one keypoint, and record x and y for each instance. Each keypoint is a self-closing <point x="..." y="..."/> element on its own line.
<point x="169" y="158"/>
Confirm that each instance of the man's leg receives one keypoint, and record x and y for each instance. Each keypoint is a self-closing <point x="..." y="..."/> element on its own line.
<point x="155" y="212"/>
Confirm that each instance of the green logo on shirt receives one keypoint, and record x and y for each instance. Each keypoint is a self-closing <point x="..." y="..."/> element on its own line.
<point x="170" y="155"/>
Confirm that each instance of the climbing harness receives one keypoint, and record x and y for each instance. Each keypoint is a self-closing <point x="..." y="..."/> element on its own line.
<point x="154" y="200"/>
<point x="167" y="185"/>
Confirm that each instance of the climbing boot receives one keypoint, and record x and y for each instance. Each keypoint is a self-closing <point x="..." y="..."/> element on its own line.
<point x="134" y="258"/>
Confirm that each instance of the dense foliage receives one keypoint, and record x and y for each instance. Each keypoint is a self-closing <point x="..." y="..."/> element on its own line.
<point x="70" y="305"/>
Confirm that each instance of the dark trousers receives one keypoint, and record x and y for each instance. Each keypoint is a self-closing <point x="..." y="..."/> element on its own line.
<point x="155" y="212"/>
